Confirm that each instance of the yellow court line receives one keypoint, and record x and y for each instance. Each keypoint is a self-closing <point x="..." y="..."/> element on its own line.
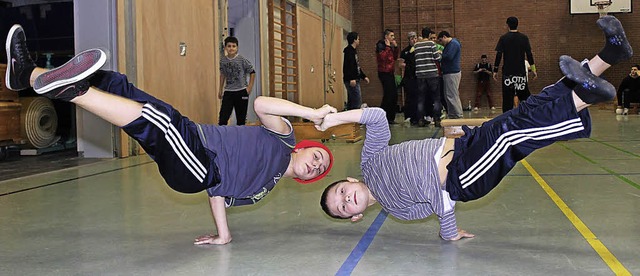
<point x="591" y="238"/>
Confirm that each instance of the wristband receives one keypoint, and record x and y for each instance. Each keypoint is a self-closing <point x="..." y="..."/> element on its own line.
<point x="533" y="67"/>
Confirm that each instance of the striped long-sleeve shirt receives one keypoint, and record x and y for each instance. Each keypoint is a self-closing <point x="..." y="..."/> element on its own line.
<point x="426" y="57"/>
<point x="403" y="178"/>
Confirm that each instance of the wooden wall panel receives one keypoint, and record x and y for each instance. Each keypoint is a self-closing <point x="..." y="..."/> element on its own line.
<point x="312" y="88"/>
<point x="189" y="82"/>
<point x="310" y="59"/>
<point x="125" y="147"/>
<point x="336" y="96"/>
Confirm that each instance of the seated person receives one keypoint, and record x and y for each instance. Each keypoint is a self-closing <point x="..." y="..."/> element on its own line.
<point x="236" y="165"/>
<point x="415" y="179"/>
<point x="629" y="91"/>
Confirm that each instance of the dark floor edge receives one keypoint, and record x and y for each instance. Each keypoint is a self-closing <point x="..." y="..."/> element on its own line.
<point x="74" y="178"/>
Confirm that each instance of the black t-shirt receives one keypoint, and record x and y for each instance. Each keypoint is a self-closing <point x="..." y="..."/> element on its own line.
<point x="409" y="57"/>
<point x="514" y="46"/>
<point x="483" y="76"/>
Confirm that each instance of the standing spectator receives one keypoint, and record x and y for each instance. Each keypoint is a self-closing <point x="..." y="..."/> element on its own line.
<point x="234" y="90"/>
<point x="513" y="45"/>
<point x="408" y="64"/>
<point x="483" y="72"/>
<point x="353" y="72"/>
<point x="629" y="91"/>
<point x="386" y="55"/>
<point x="443" y="102"/>
<point x="451" y="73"/>
<point x="428" y="80"/>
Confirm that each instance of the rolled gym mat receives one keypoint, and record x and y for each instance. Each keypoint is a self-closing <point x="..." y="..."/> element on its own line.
<point x="38" y="122"/>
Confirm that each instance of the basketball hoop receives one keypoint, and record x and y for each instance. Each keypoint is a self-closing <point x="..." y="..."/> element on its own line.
<point x="603" y="6"/>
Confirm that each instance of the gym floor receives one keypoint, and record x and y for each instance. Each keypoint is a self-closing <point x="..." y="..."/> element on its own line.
<point x="568" y="209"/>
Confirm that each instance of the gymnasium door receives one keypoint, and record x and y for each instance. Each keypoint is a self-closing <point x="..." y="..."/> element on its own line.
<point x="177" y="54"/>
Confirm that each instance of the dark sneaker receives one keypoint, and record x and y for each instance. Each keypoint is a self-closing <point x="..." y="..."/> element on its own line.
<point x="616" y="48"/>
<point x="19" y="63"/>
<point x="69" y="92"/>
<point x="590" y="88"/>
<point x="69" y="80"/>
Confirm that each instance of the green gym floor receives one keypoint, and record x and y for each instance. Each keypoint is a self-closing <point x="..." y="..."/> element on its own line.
<point x="568" y="209"/>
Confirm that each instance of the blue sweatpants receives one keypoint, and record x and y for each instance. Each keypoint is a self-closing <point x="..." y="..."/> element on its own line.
<point x="485" y="154"/>
<point x="169" y="138"/>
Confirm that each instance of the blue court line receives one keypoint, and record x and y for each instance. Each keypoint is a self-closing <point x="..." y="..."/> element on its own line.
<point x="357" y="252"/>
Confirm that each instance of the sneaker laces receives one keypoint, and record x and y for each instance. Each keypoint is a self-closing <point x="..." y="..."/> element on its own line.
<point x="24" y="57"/>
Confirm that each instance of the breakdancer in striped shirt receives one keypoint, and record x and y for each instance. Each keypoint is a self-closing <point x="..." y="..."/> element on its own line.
<point x="415" y="179"/>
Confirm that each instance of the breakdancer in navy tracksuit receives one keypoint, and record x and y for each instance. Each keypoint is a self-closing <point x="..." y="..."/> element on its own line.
<point x="236" y="165"/>
<point x="415" y="179"/>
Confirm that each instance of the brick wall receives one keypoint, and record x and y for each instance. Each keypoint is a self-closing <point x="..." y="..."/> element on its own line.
<point x="551" y="30"/>
<point x="367" y="21"/>
<point x="344" y="8"/>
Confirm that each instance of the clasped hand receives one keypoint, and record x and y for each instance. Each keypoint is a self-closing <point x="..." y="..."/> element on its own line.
<point x="318" y="115"/>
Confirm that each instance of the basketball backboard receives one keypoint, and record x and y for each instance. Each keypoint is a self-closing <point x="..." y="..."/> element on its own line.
<point x="588" y="6"/>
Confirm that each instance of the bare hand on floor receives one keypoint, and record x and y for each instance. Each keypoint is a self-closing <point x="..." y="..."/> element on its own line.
<point x="212" y="239"/>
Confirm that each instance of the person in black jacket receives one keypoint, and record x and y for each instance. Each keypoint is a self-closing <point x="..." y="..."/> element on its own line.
<point x="352" y="72"/>
<point x="410" y="83"/>
<point x="629" y="91"/>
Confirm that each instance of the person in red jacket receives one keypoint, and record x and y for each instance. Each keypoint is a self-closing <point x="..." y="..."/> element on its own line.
<point x="386" y="55"/>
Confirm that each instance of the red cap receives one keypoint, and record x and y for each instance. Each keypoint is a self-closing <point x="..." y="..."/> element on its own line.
<point x="313" y="144"/>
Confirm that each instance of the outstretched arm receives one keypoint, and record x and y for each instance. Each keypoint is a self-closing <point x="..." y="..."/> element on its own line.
<point x="220" y="217"/>
<point x="449" y="230"/>
<point x="378" y="133"/>
<point x="345" y="117"/>
<point x="270" y="112"/>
